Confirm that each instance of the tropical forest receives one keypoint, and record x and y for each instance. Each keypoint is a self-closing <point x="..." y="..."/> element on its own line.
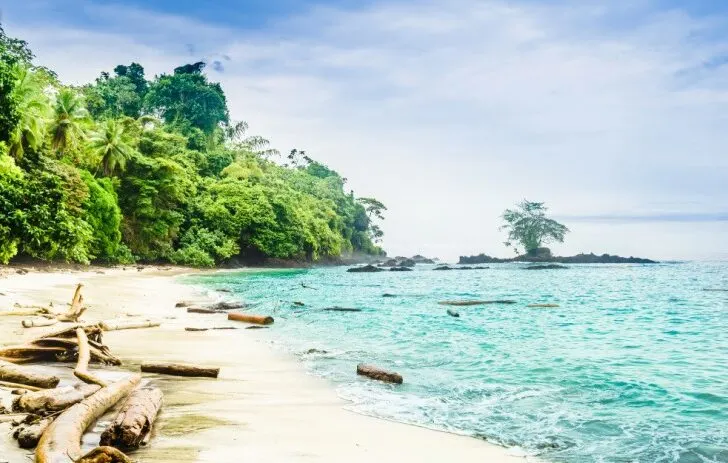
<point x="132" y="168"/>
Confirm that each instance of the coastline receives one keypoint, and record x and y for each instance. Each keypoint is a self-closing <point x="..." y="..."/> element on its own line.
<point x="263" y="407"/>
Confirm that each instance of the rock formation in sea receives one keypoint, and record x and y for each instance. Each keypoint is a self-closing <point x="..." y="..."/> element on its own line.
<point x="544" y="255"/>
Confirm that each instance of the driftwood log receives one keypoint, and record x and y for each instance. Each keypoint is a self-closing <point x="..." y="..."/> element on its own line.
<point x="179" y="369"/>
<point x="543" y="305"/>
<point x="61" y="442"/>
<point x="84" y="356"/>
<point x="17" y="387"/>
<point x="12" y="373"/>
<point x="38" y="322"/>
<point x="53" y="400"/>
<point x="374" y="372"/>
<point x="213" y="328"/>
<point x="250" y="318"/>
<point x="132" y="427"/>
<point x="104" y="455"/>
<point x="28" y="433"/>
<point x="341" y="309"/>
<point x="200" y="310"/>
<point x="116" y="325"/>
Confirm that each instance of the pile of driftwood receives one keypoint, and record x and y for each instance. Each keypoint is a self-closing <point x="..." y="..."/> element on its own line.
<point x="53" y="419"/>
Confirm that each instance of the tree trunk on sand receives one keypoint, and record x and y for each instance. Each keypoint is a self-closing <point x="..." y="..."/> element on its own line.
<point x="29" y="434"/>
<point x="178" y="369"/>
<point x="38" y="321"/>
<point x="23" y="353"/>
<point x="377" y="373"/>
<point x="84" y="355"/>
<point x="61" y="443"/>
<point x="53" y="400"/>
<point x="12" y="373"/>
<point x="115" y="325"/>
<point x="104" y="455"/>
<point x="132" y="427"/>
<point x="249" y="318"/>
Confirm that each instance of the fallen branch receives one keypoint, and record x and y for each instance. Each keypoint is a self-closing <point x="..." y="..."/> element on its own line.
<point x="116" y="325"/>
<point x="132" y="427"/>
<point x="249" y="318"/>
<point x="9" y="385"/>
<point x="38" y="321"/>
<point x="178" y="369"/>
<point x="61" y="443"/>
<point x="12" y="373"/>
<point x="377" y="373"/>
<point x="53" y="400"/>
<point x="84" y="355"/>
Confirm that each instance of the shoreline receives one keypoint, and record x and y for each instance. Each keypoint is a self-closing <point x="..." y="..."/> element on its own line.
<point x="264" y="406"/>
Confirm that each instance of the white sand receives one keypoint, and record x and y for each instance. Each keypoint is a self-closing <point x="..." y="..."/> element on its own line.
<point x="263" y="408"/>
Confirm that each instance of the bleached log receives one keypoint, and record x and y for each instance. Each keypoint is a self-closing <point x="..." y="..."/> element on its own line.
<point x="53" y="400"/>
<point x="132" y="427"/>
<point x="115" y="325"/>
<point x="84" y="356"/>
<point x="61" y="442"/>
<point x="12" y="373"/>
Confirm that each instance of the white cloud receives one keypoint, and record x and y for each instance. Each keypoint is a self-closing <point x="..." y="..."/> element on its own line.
<point x="450" y="113"/>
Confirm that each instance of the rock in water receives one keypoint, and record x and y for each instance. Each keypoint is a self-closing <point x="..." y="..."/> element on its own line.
<point x="400" y="269"/>
<point x="365" y="269"/>
<point x="453" y="313"/>
<point x="442" y="267"/>
<point x="377" y="373"/>
<point x="545" y="267"/>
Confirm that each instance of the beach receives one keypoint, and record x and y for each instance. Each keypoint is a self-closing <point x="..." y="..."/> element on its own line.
<point x="264" y="407"/>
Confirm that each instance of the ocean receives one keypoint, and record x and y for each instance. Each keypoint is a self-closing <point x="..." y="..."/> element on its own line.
<point x="632" y="366"/>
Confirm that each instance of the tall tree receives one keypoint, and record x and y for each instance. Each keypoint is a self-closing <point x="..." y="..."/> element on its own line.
<point x="528" y="225"/>
<point x="187" y="100"/>
<point x="69" y="120"/>
<point x="110" y="143"/>
<point x="33" y="107"/>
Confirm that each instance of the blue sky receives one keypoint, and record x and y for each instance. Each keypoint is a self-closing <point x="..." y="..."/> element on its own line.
<point x="613" y="113"/>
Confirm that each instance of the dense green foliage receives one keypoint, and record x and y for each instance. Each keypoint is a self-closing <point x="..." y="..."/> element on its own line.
<point x="126" y="169"/>
<point x="528" y="225"/>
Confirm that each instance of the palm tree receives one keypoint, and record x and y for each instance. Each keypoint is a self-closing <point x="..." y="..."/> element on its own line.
<point x="110" y="144"/>
<point x="69" y="120"/>
<point x="33" y="109"/>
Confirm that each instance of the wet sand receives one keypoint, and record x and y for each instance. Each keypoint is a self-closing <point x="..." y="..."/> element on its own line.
<point x="263" y="407"/>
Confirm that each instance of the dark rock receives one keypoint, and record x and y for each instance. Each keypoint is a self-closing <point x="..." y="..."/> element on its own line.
<point x="443" y="267"/>
<point x="453" y="313"/>
<point x="545" y="267"/>
<point x="316" y="351"/>
<point x="407" y="263"/>
<point x="388" y="295"/>
<point x="365" y="269"/>
<point x="389" y="263"/>
<point x="200" y="310"/>
<point x="475" y="302"/>
<point x="256" y="327"/>
<point x="465" y="267"/>
<point x="298" y="303"/>
<point x="716" y="289"/>
<point x="400" y="269"/>
<point x="224" y="290"/>
<point x="341" y="309"/>
<point x="21" y="271"/>
<point x="183" y="304"/>
<point x="224" y="306"/>
<point x="543" y="255"/>
<point x="422" y="259"/>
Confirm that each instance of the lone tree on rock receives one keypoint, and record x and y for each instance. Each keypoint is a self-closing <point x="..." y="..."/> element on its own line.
<point x="528" y="225"/>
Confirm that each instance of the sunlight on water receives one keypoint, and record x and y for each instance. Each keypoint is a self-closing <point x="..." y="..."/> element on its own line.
<point x="631" y="367"/>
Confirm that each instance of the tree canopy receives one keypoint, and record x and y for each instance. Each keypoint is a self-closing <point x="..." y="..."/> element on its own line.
<point x="528" y="226"/>
<point x="128" y="169"/>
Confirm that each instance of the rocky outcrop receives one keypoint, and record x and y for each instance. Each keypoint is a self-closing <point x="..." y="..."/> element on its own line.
<point x="422" y="259"/>
<point x="365" y="269"/>
<point x="400" y="269"/>
<point x="545" y="267"/>
<point x="543" y="255"/>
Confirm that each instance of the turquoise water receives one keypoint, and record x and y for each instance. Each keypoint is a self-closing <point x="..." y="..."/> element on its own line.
<point x="632" y="367"/>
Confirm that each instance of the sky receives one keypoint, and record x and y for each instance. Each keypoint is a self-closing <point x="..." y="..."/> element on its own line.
<point x="613" y="113"/>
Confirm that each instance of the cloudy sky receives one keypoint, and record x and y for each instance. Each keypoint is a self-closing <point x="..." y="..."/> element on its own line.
<point x="615" y="113"/>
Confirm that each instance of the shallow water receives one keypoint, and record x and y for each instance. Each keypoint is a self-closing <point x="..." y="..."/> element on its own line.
<point x="631" y="367"/>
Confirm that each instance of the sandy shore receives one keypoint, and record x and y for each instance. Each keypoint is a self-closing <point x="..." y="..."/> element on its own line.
<point x="263" y="407"/>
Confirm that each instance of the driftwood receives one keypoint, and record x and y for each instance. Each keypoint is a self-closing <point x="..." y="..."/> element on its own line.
<point x="115" y="325"/>
<point x="38" y="321"/>
<point x="132" y="427"/>
<point x="299" y="303"/>
<point x="61" y="442"/>
<point x="250" y="318"/>
<point x="19" y="387"/>
<point x="256" y="327"/>
<point x="453" y="313"/>
<point x="467" y="303"/>
<point x="76" y="309"/>
<point x="53" y="400"/>
<point x="99" y="352"/>
<point x="179" y="369"/>
<point x="104" y="455"/>
<point x="543" y="305"/>
<point x="84" y="356"/>
<point x="31" y="352"/>
<point x="377" y="373"/>
<point x="29" y="432"/>
<point x="12" y="373"/>
<point x="35" y="310"/>
<point x="200" y="310"/>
